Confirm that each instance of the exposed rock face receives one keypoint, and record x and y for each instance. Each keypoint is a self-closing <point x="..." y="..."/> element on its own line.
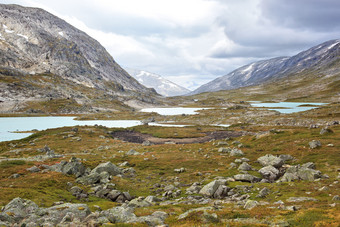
<point x="35" y="44"/>
<point x="263" y="71"/>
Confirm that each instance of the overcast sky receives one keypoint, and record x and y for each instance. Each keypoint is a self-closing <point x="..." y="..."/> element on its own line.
<point x="192" y="42"/>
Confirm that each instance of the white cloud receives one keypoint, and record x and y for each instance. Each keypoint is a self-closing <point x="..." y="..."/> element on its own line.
<point x="195" y="41"/>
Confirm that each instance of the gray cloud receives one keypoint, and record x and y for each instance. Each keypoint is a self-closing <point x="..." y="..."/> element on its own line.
<point x="314" y="15"/>
<point x="198" y="40"/>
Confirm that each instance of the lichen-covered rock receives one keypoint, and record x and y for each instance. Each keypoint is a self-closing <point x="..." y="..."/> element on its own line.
<point x="246" y="178"/>
<point x="301" y="173"/>
<point x="314" y="144"/>
<point x="270" y="160"/>
<point x="250" y="204"/>
<point x="108" y="167"/>
<point x="245" y="167"/>
<point x="210" y="189"/>
<point x="269" y="172"/>
<point x="120" y="215"/>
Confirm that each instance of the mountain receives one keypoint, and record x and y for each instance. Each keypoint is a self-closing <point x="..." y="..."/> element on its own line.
<point x="161" y="85"/>
<point x="276" y="68"/>
<point x="42" y="56"/>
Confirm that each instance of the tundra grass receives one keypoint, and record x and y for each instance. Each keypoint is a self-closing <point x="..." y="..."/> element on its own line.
<point x="202" y="163"/>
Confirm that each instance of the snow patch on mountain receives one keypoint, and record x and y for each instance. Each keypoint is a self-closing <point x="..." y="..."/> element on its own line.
<point x="161" y="85"/>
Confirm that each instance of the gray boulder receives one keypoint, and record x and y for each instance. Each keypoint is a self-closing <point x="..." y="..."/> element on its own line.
<point x="120" y="215"/>
<point x="221" y="192"/>
<point x="245" y="167"/>
<point x="301" y="173"/>
<point x="33" y="169"/>
<point x="250" y="204"/>
<point x="314" y="144"/>
<point x="210" y="189"/>
<point x="57" y="213"/>
<point x="224" y="149"/>
<point x="108" y="167"/>
<point x="194" y="188"/>
<point x="236" y="152"/>
<point x="152" y="199"/>
<point x="18" y="209"/>
<point x="139" y="202"/>
<point x="73" y="167"/>
<point x="92" y="178"/>
<point x="269" y="172"/>
<point x="247" y="178"/>
<point x="157" y="218"/>
<point x="270" y="160"/>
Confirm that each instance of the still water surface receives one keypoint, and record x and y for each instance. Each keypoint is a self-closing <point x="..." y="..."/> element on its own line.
<point x="12" y="124"/>
<point x="292" y="107"/>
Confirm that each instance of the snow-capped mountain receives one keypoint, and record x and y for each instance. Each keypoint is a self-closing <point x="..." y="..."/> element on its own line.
<point x="161" y="85"/>
<point x="263" y="71"/>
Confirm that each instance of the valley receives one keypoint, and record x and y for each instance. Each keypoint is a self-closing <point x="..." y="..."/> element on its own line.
<point x="83" y="143"/>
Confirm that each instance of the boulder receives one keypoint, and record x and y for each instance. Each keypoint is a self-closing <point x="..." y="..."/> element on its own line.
<point x="314" y="144"/>
<point x="270" y="160"/>
<point x="73" y="167"/>
<point x="120" y="215"/>
<point x="301" y="173"/>
<point x="157" y="218"/>
<point x="210" y="189"/>
<point x="92" y="178"/>
<point x="57" y="213"/>
<point x="33" y="169"/>
<point x="246" y="178"/>
<point x="224" y="149"/>
<point x="250" y="204"/>
<point x="286" y="157"/>
<point x="108" y="167"/>
<point x="326" y="130"/>
<point x="139" y="202"/>
<point x="269" y="172"/>
<point x="152" y="199"/>
<point x="194" y="188"/>
<point x="221" y="192"/>
<point x="245" y="167"/>
<point x="236" y="152"/>
<point x="18" y="209"/>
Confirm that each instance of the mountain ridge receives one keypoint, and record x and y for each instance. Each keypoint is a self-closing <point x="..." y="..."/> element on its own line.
<point x="160" y="84"/>
<point x="280" y="67"/>
<point x="34" y="42"/>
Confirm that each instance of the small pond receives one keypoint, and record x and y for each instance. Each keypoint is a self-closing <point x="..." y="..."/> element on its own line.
<point x="288" y="107"/>
<point x="173" y="110"/>
<point x="12" y="124"/>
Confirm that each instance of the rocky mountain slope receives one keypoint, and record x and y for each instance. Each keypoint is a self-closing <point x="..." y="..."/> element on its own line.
<point x="39" y="50"/>
<point x="263" y="71"/>
<point x="161" y="85"/>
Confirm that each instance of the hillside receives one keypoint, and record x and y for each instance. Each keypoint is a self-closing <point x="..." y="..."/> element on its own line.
<point x="317" y="58"/>
<point x="161" y="85"/>
<point x="43" y="57"/>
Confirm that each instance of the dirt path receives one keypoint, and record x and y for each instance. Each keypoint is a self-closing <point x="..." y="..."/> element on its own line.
<point x="136" y="137"/>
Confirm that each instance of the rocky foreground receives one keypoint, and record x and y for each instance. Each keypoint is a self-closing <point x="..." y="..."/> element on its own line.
<point x="86" y="177"/>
